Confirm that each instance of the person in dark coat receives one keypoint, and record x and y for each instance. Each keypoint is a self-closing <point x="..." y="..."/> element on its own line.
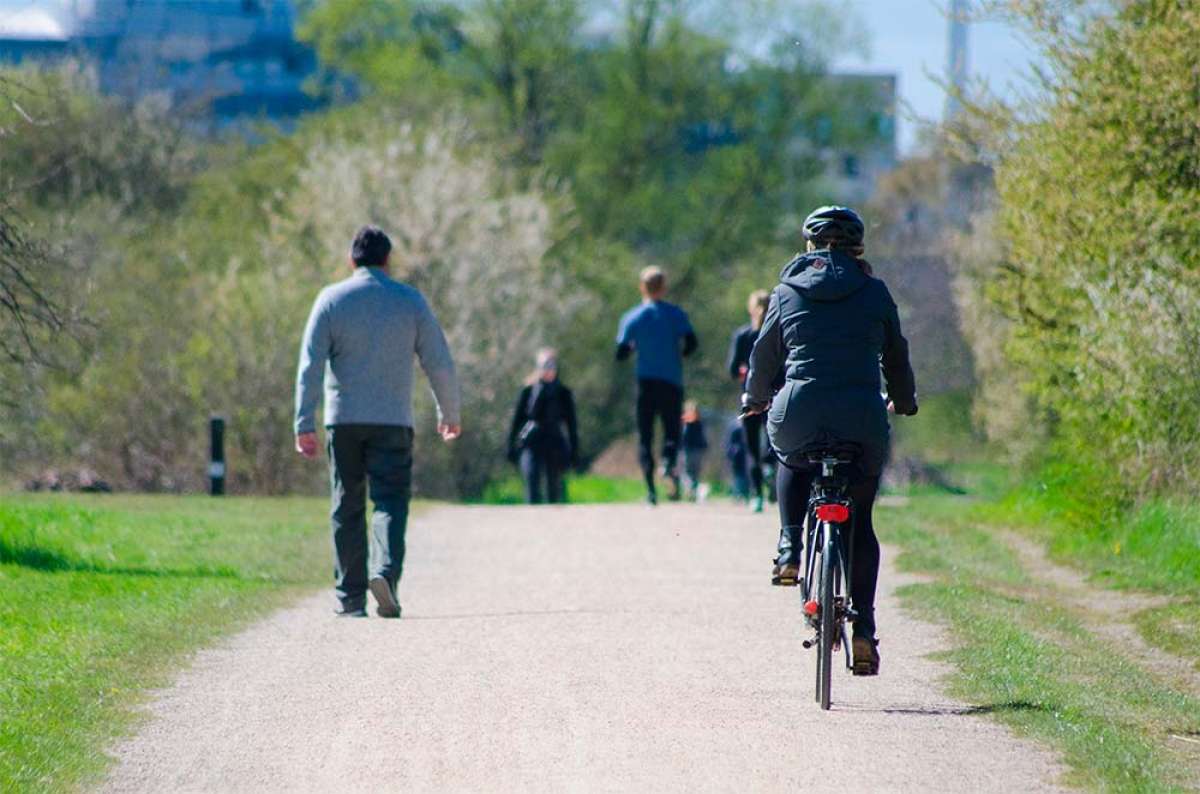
<point x="738" y="365"/>
<point x="832" y="325"/>
<point x="536" y="441"/>
<point x="735" y="453"/>
<point x="695" y="446"/>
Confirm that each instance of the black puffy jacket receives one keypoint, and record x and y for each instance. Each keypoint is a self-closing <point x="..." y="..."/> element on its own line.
<point x="830" y="326"/>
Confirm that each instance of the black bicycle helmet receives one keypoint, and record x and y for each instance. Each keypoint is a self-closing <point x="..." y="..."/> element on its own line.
<point x="834" y="225"/>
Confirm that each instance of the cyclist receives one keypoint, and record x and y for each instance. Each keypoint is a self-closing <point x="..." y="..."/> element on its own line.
<point x="660" y="332"/>
<point x="831" y="325"/>
<point x="739" y="366"/>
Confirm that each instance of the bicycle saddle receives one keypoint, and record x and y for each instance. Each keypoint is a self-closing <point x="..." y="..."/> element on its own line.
<point x="841" y="451"/>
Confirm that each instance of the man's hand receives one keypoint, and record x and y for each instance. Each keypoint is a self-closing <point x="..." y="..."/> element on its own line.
<point x="306" y="444"/>
<point x="449" y="432"/>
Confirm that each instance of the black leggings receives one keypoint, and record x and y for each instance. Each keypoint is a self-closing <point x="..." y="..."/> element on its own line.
<point x="662" y="400"/>
<point x="752" y="425"/>
<point x="794" y="488"/>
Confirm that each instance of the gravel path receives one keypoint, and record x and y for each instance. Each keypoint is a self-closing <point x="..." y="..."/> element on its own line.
<point x="583" y="649"/>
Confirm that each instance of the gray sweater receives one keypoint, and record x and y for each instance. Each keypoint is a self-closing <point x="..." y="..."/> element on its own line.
<point x="365" y="330"/>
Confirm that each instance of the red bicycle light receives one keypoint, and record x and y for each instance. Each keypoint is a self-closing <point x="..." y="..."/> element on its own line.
<point x="811" y="608"/>
<point x="834" y="512"/>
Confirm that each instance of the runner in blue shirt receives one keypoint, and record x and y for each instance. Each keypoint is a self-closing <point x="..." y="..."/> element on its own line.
<point x="661" y="334"/>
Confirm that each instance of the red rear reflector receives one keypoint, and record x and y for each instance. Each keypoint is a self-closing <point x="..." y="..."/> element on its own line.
<point x="835" y="513"/>
<point x="811" y="608"/>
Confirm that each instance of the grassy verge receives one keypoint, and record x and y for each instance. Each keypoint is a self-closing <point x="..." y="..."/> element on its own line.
<point x="102" y="595"/>
<point x="1153" y="546"/>
<point x="1028" y="660"/>
<point x="584" y="489"/>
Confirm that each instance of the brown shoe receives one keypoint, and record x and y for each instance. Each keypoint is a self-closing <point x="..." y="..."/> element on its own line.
<point x="866" y="655"/>
<point x="785" y="575"/>
<point x="387" y="607"/>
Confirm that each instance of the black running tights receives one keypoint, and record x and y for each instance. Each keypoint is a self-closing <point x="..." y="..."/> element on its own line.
<point x="794" y="487"/>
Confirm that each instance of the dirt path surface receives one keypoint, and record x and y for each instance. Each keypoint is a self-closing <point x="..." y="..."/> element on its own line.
<point x="581" y="649"/>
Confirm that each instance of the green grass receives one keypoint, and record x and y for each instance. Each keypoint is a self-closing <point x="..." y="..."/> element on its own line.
<point x="103" y="596"/>
<point x="1032" y="663"/>
<point x="584" y="489"/>
<point x="1174" y="628"/>
<point x="1154" y="546"/>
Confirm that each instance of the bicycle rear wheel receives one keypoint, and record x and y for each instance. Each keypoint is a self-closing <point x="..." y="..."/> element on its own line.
<point x="829" y="572"/>
<point x="812" y="587"/>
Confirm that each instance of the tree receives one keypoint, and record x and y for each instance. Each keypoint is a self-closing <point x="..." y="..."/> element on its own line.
<point x="31" y="313"/>
<point x="1098" y="190"/>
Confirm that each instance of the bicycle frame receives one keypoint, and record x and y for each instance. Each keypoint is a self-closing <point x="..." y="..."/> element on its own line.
<point x="828" y="491"/>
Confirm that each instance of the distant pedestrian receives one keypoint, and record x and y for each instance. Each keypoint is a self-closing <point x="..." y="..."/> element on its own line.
<point x="360" y="341"/>
<point x="695" y="445"/>
<point x="661" y="334"/>
<point x="735" y="454"/>
<point x="739" y="366"/>
<point x="543" y="438"/>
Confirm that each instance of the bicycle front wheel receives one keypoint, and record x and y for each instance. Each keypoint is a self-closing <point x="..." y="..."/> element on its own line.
<point x="829" y="572"/>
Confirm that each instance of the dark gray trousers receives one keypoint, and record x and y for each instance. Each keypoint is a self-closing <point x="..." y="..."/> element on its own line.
<point x="537" y="465"/>
<point x="377" y="458"/>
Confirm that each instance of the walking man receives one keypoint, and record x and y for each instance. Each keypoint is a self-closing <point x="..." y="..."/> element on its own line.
<point x="661" y="334"/>
<point x="360" y="341"/>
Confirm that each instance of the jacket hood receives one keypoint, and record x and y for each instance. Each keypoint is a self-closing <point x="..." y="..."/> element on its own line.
<point x="824" y="275"/>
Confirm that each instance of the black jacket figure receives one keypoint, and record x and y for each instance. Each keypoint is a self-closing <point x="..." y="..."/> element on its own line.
<point x="831" y="326"/>
<point x="536" y="439"/>
<point x="740" y="345"/>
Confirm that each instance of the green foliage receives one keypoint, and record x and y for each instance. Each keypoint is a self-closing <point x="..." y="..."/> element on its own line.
<point x="1101" y="280"/>
<point x="945" y="434"/>
<point x="527" y="169"/>
<point x="671" y="144"/>
<point x="103" y="596"/>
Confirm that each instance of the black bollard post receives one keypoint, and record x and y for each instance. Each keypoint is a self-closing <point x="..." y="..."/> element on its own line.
<point x="216" y="466"/>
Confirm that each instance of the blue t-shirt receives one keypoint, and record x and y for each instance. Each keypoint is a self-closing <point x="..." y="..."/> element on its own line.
<point x="654" y="329"/>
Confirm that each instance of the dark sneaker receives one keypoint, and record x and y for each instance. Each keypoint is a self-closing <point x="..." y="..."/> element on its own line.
<point x="385" y="597"/>
<point x="866" y="655"/>
<point x="787" y="575"/>
<point x="676" y="492"/>
<point x="652" y="499"/>
<point x="350" y="612"/>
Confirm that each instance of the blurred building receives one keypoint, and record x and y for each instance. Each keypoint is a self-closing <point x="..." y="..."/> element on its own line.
<point x="858" y="147"/>
<point x="223" y="60"/>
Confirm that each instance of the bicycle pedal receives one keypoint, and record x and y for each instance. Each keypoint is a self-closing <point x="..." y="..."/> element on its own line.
<point x="784" y="581"/>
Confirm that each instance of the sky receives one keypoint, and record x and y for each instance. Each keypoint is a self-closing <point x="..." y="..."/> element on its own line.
<point x="909" y="38"/>
<point x="904" y="37"/>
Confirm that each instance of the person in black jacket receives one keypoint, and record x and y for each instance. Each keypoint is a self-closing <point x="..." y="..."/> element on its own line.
<point x="545" y="408"/>
<point x="739" y="367"/>
<point x="695" y="447"/>
<point x="831" y="324"/>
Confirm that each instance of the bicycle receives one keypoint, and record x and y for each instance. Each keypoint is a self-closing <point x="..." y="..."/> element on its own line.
<point x="826" y="606"/>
